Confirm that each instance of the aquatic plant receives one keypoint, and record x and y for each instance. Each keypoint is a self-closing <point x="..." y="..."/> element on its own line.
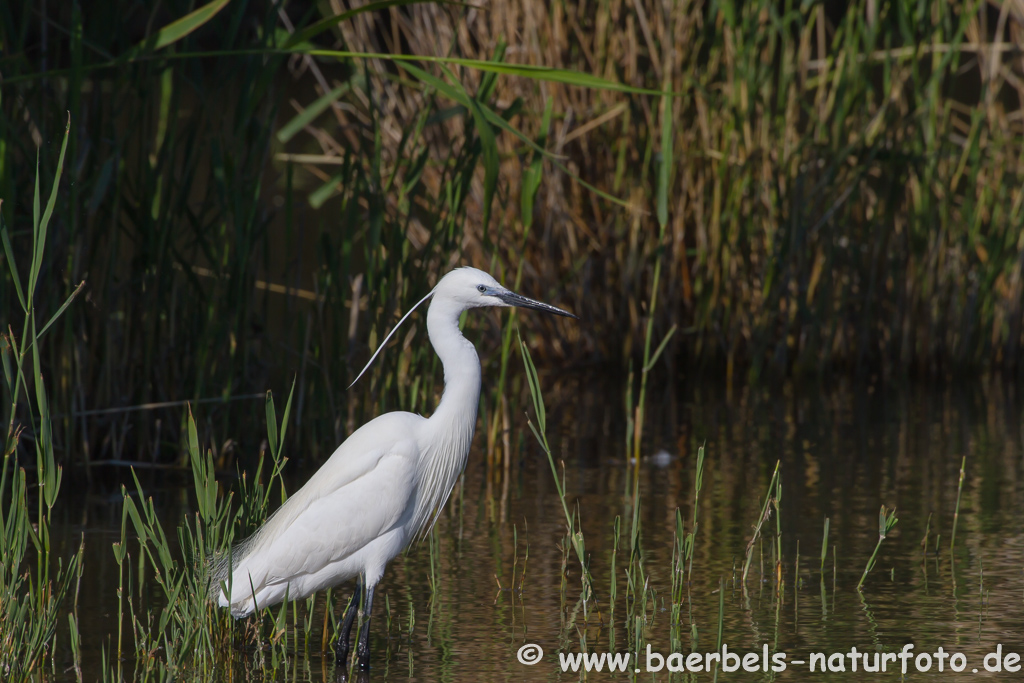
<point x="574" y="533"/>
<point x="886" y="521"/>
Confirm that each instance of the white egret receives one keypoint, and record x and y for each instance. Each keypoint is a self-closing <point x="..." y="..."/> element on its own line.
<point x="381" y="489"/>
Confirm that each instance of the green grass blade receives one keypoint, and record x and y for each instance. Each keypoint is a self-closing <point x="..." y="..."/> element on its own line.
<point x="11" y="265"/>
<point x="39" y="243"/>
<point x="533" y="72"/>
<point x="661" y="347"/>
<point x="60" y="310"/>
<point x="488" y="143"/>
<point x="176" y="30"/>
<point x="306" y="116"/>
<point x="36" y="213"/>
<point x="287" y="412"/>
<point x="271" y="424"/>
<point x="193" y="436"/>
<point x="665" y="168"/>
<point x="534" y="382"/>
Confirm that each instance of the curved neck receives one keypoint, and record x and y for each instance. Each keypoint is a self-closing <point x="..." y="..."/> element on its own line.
<point x="461" y="395"/>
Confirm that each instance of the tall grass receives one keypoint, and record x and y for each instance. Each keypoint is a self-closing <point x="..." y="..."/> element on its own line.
<point x="177" y="629"/>
<point x="162" y="211"/>
<point x="33" y="587"/>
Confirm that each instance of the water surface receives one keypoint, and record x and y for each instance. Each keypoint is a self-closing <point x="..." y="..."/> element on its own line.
<point x="491" y="578"/>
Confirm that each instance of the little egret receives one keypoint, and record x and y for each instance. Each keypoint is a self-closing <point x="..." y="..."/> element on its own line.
<point x="381" y="489"/>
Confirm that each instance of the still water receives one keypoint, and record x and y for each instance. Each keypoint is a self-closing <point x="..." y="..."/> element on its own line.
<point x="491" y="579"/>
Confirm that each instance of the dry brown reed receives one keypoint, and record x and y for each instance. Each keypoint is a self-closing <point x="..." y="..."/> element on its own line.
<point x="848" y="184"/>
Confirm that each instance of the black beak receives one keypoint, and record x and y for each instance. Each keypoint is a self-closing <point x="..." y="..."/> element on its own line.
<point x="513" y="299"/>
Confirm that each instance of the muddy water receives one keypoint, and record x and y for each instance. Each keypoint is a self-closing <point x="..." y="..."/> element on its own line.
<point x="491" y="579"/>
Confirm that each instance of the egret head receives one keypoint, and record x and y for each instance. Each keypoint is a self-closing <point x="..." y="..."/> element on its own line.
<point x="465" y="288"/>
<point x="472" y="288"/>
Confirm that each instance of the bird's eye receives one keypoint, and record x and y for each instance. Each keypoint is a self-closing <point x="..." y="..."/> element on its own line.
<point x="481" y="288"/>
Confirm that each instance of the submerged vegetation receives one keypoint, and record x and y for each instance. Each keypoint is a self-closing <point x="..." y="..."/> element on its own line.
<point x="252" y="191"/>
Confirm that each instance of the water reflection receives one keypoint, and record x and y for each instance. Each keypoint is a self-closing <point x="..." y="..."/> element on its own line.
<point x="460" y="606"/>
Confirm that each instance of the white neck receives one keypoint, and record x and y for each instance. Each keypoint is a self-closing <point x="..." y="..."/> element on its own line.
<point x="461" y="397"/>
<point x="450" y="429"/>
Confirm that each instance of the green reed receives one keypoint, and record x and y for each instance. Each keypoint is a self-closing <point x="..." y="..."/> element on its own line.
<point x="574" y="532"/>
<point x="33" y="588"/>
<point x="769" y="501"/>
<point x="193" y="635"/>
<point x="886" y="521"/>
<point x="635" y="435"/>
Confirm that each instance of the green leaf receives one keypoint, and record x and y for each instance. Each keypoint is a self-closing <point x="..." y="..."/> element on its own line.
<point x="303" y="118"/>
<point x="193" y="437"/>
<point x="665" y="170"/>
<point x="271" y="424"/>
<point x="287" y="411"/>
<point x="533" y="72"/>
<point x="176" y="30"/>
<point x="39" y="241"/>
<point x="35" y="239"/>
<point x="534" y="172"/>
<point x="60" y="310"/>
<point x="488" y="143"/>
<point x="320" y="195"/>
<point x="133" y="513"/>
<point x="661" y="347"/>
<point x="534" y="382"/>
<point x="9" y="252"/>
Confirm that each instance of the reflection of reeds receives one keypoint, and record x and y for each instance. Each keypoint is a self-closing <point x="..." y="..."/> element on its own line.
<point x="956" y="512"/>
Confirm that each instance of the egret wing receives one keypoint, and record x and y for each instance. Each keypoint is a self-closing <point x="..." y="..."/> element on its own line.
<point x="344" y="521"/>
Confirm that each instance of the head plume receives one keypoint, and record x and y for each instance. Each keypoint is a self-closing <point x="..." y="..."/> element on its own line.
<point x="390" y="334"/>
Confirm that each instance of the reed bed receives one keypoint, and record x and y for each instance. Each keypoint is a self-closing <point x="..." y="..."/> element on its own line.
<point x="845" y="190"/>
<point x="826" y="189"/>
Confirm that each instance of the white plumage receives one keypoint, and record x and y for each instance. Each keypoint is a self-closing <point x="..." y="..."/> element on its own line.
<point x="381" y="489"/>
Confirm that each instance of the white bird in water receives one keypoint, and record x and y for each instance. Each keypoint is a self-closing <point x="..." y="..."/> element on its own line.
<point x="381" y="489"/>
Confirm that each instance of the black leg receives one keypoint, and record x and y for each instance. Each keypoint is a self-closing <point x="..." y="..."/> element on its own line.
<point x="363" y="647"/>
<point x="341" y="646"/>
